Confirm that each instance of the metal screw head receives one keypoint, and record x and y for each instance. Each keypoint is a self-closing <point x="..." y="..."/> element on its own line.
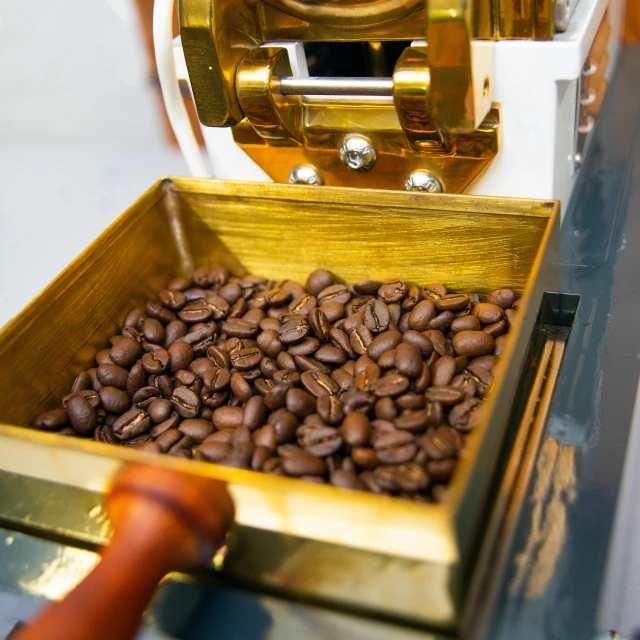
<point x="422" y="181"/>
<point x="357" y="153"/>
<point x="305" y="174"/>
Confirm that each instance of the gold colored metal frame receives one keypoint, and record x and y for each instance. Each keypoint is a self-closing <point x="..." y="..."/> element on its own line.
<point x="364" y="542"/>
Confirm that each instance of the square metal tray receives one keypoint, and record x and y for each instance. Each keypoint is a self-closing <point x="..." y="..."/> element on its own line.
<point x="386" y="555"/>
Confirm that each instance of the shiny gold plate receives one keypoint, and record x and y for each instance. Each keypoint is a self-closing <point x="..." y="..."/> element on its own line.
<point x="399" y="558"/>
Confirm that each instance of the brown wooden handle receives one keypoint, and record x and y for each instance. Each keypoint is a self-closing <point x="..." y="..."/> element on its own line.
<point x="162" y="521"/>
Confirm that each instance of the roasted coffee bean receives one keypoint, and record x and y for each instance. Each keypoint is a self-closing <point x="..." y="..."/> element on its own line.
<point x="185" y="402"/>
<point x="443" y="371"/>
<point x="81" y="414"/>
<point x="179" y="284"/>
<point x="383" y="342"/>
<point x="404" y="477"/>
<point x="440" y="470"/>
<point x="153" y="331"/>
<point x="447" y="395"/>
<point x="188" y="379"/>
<point x="343" y="379"/>
<point x="356" y="429"/>
<point x="386" y="409"/>
<point x="245" y="359"/>
<point x="227" y="417"/>
<point x="393" y="384"/>
<point x="364" y="457"/>
<point x="500" y="344"/>
<point x="367" y="287"/>
<point x="465" y="323"/>
<point x="114" y="400"/>
<point x="503" y="298"/>
<point x="305" y="347"/>
<point x="330" y="409"/>
<point x="196" y="428"/>
<point x="496" y="329"/>
<point x="441" y="345"/>
<point x="294" y="330"/>
<point x="200" y="339"/>
<point x="473" y="343"/>
<point x="93" y="397"/>
<point x="134" y="318"/>
<point x="303" y="304"/>
<point x="182" y="448"/>
<point x="359" y="303"/>
<point x="412" y="297"/>
<point x="181" y="355"/>
<point x="347" y="480"/>
<point x="269" y="343"/>
<point x="453" y="302"/>
<point x="239" y="328"/>
<point x="334" y="311"/>
<point x="275" y="398"/>
<point x="393" y="291"/>
<point x="488" y="313"/>
<point x="441" y="443"/>
<point x="395" y="447"/>
<point x="156" y="362"/>
<point x="196" y="311"/>
<point x="290" y="378"/>
<point x="352" y="322"/>
<point x="360" y="338"/>
<point x="219" y="357"/>
<point x="125" y="352"/>
<point x="157" y="311"/>
<point x="410" y="400"/>
<point x="319" y="324"/>
<point x="145" y="396"/>
<point x="175" y="330"/>
<point x="159" y="410"/>
<point x="216" y="379"/>
<point x="387" y="360"/>
<point x="510" y="317"/>
<point x="442" y="322"/>
<point x="460" y="414"/>
<point x="53" y="419"/>
<point x="318" y="280"/>
<point x="285" y="425"/>
<point x="340" y="339"/>
<point x="365" y="380"/>
<point x="173" y="300"/>
<point x="362" y="363"/>
<point x="101" y="434"/>
<point x="334" y="293"/>
<point x="376" y="316"/>
<point x="422" y="314"/>
<point x="300" y="403"/>
<point x="367" y="478"/>
<point x="254" y="414"/>
<point x="408" y="360"/>
<point x="111" y="375"/>
<point x="82" y="382"/>
<point x="318" y="384"/>
<point x="104" y="357"/>
<point x="266" y="437"/>
<point x="422" y="341"/>
<point x="170" y="423"/>
<point x="131" y="424"/>
<point x="349" y="367"/>
<point x="217" y="305"/>
<point x="240" y="387"/>
<point x="285" y="450"/>
<point x="417" y="421"/>
<point x="304" y="464"/>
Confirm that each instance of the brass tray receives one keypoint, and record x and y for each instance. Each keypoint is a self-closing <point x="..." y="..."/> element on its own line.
<point x="392" y="556"/>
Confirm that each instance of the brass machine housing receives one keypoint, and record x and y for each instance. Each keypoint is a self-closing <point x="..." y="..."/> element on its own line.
<point x="434" y="116"/>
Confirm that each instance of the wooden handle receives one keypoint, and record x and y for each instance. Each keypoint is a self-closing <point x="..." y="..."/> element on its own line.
<point x="162" y="521"/>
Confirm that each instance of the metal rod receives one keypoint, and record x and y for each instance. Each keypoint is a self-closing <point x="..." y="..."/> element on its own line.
<point x="335" y="86"/>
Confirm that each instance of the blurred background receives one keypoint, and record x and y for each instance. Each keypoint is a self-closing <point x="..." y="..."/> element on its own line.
<point x="82" y="130"/>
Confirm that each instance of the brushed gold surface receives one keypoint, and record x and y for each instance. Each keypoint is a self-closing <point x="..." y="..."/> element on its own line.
<point x="283" y="231"/>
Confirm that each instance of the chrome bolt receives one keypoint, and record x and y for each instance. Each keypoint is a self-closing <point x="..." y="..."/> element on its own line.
<point x="422" y="181"/>
<point x="305" y="174"/>
<point x="357" y="153"/>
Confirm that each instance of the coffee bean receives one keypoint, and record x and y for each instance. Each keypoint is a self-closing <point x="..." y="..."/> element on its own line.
<point x="182" y="448"/>
<point x="503" y="298"/>
<point x="510" y="317"/>
<point x="334" y="293"/>
<point x="500" y="344"/>
<point x="356" y="429"/>
<point x="81" y="414"/>
<point x="156" y="362"/>
<point x="111" y="375"/>
<point x="181" y="355"/>
<point x="408" y="360"/>
<point x="266" y="437"/>
<point x="441" y="443"/>
<point x="473" y="343"/>
<point x="453" y="302"/>
<point x="393" y="384"/>
<point x="496" y="329"/>
<point x="53" y="419"/>
<point x="319" y="324"/>
<point x="239" y="328"/>
<point x="459" y="416"/>
<point x="114" y="400"/>
<point x="170" y="423"/>
<point x="240" y="387"/>
<point x="131" y="424"/>
<point x="318" y="384"/>
<point x="300" y="403"/>
<point x="245" y="359"/>
<point x="447" y="395"/>
<point x="218" y="306"/>
<point x="330" y="409"/>
<point x="168" y="438"/>
<point x="125" y="352"/>
<point x="393" y="291"/>
<point x="421" y="315"/>
<point x="443" y="371"/>
<point x="304" y="464"/>
<point x="227" y="417"/>
<point x="334" y="311"/>
<point x="394" y="447"/>
<point x="360" y="338"/>
<point x="219" y="357"/>
<point x="185" y="402"/>
<point x="275" y="398"/>
<point x="318" y="280"/>
<point x="404" y="477"/>
<point x="440" y="470"/>
<point x="305" y="347"/>
<point x="159" y="410"/>
<point x="196" y="428"/>
<point x="488" y="313"/>
<point x="376" y="316"/>
<point x="367" y="287"/>
<point x="343" y="379"/>
<point x="388" y="359"/>
<point x="465" y="323"/>
<point x="386" y="409"/>
<point x="285" y="425"/>
<point x="366" y="380"/>
<point x="290" y="378"/>
<point x="294" y="330"/>
<point x="383" y="342"/>
<point x="341" y="340"/>
<point x="417" y="421"/>
<point x="442" y="322"/>
<point x="441" y="345"/>
<point x="347" y="480"/>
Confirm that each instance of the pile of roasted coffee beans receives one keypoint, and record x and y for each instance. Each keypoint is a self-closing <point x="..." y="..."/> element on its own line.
<point x="369" y="386"/>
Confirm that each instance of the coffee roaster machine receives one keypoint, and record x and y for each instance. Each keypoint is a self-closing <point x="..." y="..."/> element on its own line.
<point x="393" y="119"/>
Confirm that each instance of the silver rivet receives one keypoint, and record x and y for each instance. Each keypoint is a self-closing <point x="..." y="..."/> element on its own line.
<point x="305" y="174"/>
<point x="423" y="181"/>
<point x="577" y="159"/>
<point x="357" y="153"/>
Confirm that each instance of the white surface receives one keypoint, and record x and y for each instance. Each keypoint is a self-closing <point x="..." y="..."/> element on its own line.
<point x="80" y="134"/>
